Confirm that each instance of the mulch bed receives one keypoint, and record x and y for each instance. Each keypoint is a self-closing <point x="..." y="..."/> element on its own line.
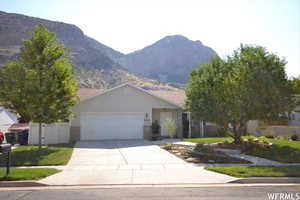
<point x="188" y="154"/>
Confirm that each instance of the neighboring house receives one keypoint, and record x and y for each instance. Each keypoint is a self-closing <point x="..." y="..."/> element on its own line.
<point x="7" y="118"/>
<point x="123" y="112"/>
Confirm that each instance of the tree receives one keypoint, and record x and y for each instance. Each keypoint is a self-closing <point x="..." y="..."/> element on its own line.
<point x="249" y="85"/>
<point x="13" y="93"/>
<point x="208" y="95"/>
<point x="170" y="126"/>
<point x="295" y="82"/>
<point x="49" y="87"/>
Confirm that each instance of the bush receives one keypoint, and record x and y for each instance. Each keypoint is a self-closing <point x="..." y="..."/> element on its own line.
<point x="222" y="132"/>
<point x="251" y="145"/>
<point x="269" y="135"/>
<point x="170" y="126"/>
<point x="204" y="148"/>
<point x="155" y="130"/>
<point x="294" y="137"/>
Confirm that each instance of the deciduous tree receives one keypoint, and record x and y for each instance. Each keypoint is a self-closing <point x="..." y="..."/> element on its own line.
<point x="249" y="85"/>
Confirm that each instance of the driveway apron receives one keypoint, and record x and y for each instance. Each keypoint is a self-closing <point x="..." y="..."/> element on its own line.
<point x="129" y="162"/>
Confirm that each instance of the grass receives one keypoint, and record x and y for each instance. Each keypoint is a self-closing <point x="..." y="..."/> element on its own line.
<point x="282" y="150"/>
<point x="26" y="174"/>
<point x="258" y="171"/>
<point x="31" y="156"/>
<point x="208" y="140"/>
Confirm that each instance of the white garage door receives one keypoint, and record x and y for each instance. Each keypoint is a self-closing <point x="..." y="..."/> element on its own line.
<point x="106" y="126"/>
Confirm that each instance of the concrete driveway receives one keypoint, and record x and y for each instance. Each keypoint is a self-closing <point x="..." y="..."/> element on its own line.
<point x="129" y="162"/>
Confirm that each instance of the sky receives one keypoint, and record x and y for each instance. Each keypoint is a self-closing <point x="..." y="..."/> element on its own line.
<point x="130" y="25"/>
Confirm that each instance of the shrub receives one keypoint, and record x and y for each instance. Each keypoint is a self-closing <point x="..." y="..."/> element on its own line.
<point x="204" y="148"/>
<point x="170" y="126"/>
<point x="269" y="135"/>
<point x="155" y="130"/>
<point x="294" y="137"/>
<point x="251" y="145"/>
<point x="222" y="132"/>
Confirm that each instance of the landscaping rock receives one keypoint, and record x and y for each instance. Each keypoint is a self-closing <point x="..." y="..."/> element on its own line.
<point x="191" y="159"/>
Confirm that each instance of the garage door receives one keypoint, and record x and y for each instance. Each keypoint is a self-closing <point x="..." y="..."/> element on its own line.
<point x="103" y="126"/>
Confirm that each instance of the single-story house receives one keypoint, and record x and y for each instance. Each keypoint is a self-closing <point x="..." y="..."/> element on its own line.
<point x="124" y="112"/>
<point x="7" y="118"/>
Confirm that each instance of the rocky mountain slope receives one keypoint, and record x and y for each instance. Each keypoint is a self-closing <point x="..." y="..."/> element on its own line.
<point x="95" y="67"/>
<point x="169" y="59"/>
<point x="86" y="53"/>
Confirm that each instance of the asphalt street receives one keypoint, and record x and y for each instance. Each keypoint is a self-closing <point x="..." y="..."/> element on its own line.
<point x="158" y="193"/>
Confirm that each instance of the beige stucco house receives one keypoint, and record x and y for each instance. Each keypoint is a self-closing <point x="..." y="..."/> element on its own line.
<point x="123" y="112"/>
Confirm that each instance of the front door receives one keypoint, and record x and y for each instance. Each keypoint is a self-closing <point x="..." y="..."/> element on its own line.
<point x="163" y="116"/>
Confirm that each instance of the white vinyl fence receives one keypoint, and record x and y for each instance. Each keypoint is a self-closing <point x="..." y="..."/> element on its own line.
<point x="55" y="133"/>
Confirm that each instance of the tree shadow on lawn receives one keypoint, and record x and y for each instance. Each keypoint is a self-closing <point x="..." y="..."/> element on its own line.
<point x="32" y="156"/>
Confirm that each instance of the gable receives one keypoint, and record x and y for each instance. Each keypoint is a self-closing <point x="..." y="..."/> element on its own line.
<point x="124" y="99"/>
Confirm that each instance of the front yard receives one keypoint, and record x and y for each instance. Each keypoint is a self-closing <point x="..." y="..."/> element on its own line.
<point x="200" y="154"/>
<point x="31" y="156"/>
<point x="257" y="171"/>
<point x="26" y="173"/>
<point x="281" y="150"/>
<point x="208" y="140"/>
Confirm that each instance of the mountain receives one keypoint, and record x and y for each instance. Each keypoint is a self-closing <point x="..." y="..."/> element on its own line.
<point x="169" y="59"/>
<point x="95" y="65"/>
<point x="108" y="51"/>
<point x="86" y="52"/>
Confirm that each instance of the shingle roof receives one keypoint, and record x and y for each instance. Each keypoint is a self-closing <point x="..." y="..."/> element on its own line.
<point x="85" y="93"/>
<point x="177" y="96"/>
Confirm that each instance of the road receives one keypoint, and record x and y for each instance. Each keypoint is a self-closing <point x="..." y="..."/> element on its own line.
<point x="222" y="192"/>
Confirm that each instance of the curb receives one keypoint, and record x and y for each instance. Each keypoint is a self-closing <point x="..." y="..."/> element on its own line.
<point x="272" y="180"/>
<point x="20" y="184"/>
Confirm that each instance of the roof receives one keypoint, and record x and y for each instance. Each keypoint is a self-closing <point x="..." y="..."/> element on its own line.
<point x="85" y="93"/>
<point x="176" y="97"/>
<point x="19" y="127"/>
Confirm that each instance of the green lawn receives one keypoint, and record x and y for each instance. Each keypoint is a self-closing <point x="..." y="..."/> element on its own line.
<point x="49" y="155"/>
<point x="287" y="151"/>
<point x="26" y="174"/>
<point x="282" y="150"/>
<point x="208" y="140"/>
<point x="258" y="171"/>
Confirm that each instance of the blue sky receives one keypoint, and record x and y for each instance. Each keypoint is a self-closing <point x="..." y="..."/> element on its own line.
<point x="132" y="24"/>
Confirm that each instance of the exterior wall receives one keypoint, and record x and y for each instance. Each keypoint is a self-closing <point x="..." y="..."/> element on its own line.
<point x="74" y="133"/>
<point x="6" y="119"/>
<point x="286" y="131"/>
<point x="52" y="133"/>
<point x="123" y="99"/>
<point x="176" y="116"/>
<point x="295" y="117"/>
<point x="253" y="127"/>
<point x="147" y="132"/>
